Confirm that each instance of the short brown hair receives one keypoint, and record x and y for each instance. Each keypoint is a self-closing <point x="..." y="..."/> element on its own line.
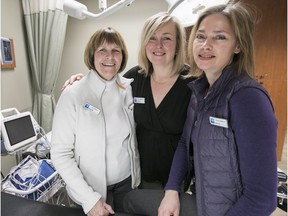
<point x="102" y="35"/>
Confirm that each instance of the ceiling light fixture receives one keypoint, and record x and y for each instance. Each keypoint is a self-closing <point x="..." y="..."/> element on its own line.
<point x="77" y="10"/>
<point x="187" y="11"/>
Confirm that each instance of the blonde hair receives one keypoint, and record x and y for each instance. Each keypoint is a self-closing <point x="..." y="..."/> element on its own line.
<point x="102" y="35"/>
<point x="151" y="25"/>
<point x="242" y="20"/>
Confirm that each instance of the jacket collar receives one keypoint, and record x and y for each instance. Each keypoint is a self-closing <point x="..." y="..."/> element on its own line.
<point x="98" y="85"/>
<point x="201" y="85"/>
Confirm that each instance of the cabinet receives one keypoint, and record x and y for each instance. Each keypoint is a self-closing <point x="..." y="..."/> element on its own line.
<point x="271" y="59"/>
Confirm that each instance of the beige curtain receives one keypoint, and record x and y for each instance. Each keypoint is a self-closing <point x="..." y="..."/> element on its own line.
<point x="45" y="27"/>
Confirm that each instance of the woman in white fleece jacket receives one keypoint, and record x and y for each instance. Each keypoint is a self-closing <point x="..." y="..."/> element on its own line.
<point x="93" y="146"/>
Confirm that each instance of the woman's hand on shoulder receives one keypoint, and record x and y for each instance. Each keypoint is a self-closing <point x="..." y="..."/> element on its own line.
<point x="72" y="79"/>
<point x="170" y="204"/>
<point x="101" y="209"/>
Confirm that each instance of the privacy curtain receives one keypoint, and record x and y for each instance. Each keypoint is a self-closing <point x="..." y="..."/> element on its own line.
<point x="45" y="27"/>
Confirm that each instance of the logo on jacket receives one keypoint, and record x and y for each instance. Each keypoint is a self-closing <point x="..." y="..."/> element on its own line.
<point x="218" y="122"/>
<point x="88" y="106"/>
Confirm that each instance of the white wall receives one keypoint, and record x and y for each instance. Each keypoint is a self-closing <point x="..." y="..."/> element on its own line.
<point x="15" y="83"/>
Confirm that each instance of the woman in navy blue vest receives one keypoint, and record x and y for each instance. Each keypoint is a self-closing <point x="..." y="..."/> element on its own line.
<point x="228" y="146"/>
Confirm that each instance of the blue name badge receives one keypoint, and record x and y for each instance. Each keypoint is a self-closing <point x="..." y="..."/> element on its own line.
<point x="218" y="122"/>
<point x="139" y="100"/>
<point x="88" y="106"/>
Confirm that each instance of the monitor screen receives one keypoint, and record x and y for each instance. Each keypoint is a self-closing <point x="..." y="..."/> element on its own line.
<point x="18" y="131"/>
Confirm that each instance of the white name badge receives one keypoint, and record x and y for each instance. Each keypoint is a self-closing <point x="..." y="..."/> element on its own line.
<point x="139" y="100"/>
<point x="218" y="122"/>
<point x="91" y="108"/>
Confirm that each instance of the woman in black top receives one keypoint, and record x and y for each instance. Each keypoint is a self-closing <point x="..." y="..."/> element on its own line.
<point x="161" y="96"/>
<point x="158" y="128"/>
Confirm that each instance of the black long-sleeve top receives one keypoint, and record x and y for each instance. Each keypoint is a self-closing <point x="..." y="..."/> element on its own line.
<point x="158" y="129"/>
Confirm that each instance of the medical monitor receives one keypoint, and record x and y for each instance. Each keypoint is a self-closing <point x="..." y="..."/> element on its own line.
<point x="18" y="131"/>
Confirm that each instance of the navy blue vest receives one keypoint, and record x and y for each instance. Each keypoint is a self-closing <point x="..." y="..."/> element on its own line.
<point x="214" y="152"/>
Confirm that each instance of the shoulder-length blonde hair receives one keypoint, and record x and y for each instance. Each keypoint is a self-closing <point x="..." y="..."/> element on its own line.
<point x="102" y="35"/>
<point x="151" y="25"/>
<point x="242" y="20"/>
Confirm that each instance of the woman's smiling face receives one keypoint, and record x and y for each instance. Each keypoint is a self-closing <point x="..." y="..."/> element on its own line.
<point x="214" y="44"/>
<point x="107" y="60"/>
<point x="161" y="47"/>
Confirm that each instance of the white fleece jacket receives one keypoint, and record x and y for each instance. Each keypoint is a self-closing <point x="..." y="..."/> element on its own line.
<point x="78" y="139"/>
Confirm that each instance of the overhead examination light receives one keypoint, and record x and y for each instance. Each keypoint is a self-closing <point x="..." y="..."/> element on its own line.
<point x="187" y="11"/>
<point x="78" y="10"/>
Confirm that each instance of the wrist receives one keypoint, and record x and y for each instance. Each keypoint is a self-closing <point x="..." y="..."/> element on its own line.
<point x="171" y="193"/>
